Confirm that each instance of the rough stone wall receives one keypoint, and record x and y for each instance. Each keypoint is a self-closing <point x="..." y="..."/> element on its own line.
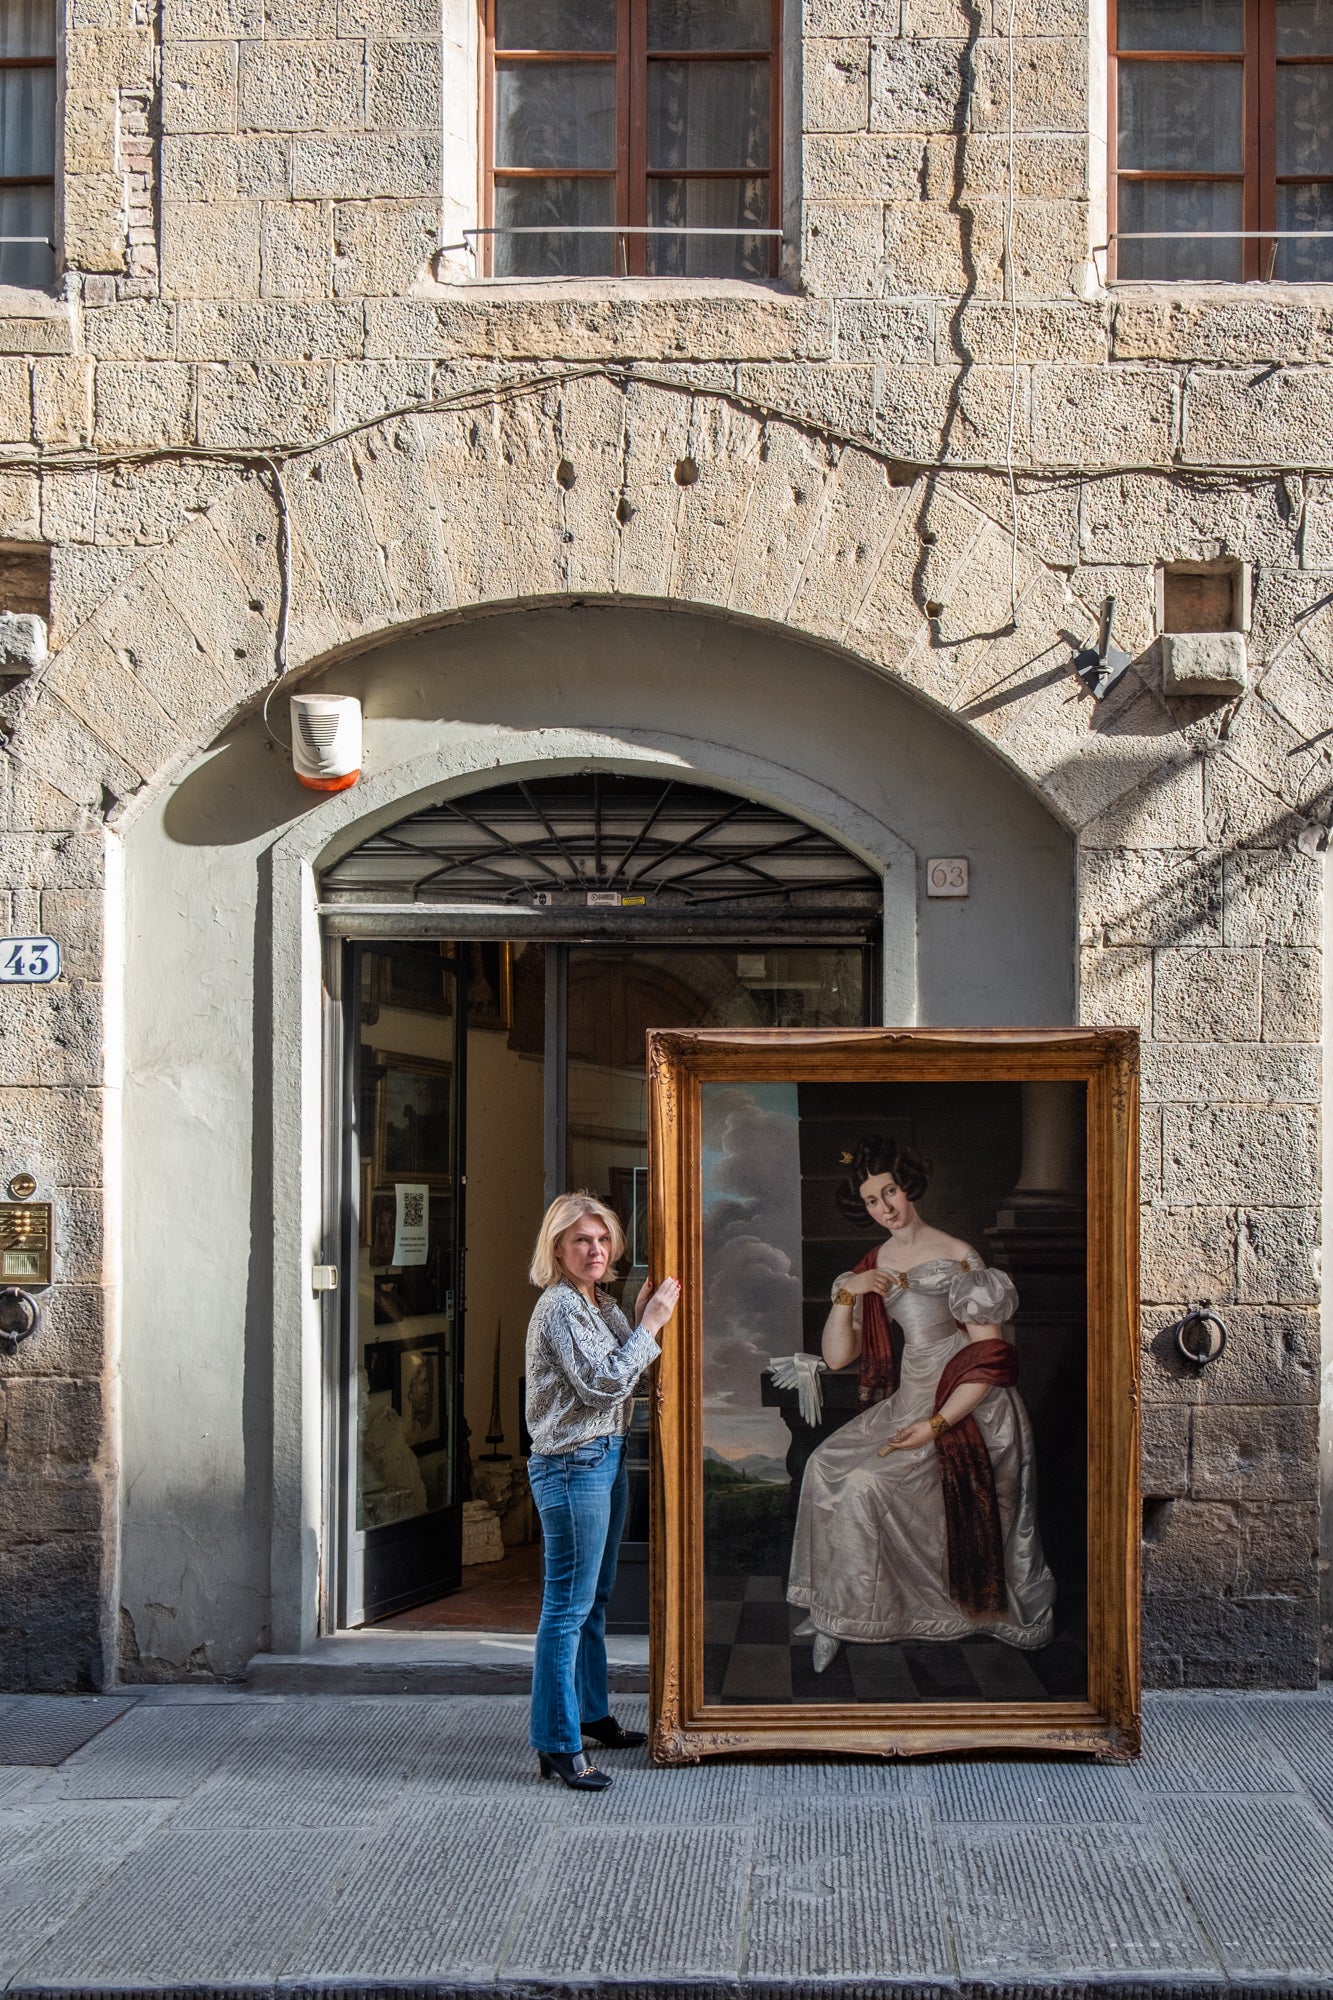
<point x="259" y="274"/>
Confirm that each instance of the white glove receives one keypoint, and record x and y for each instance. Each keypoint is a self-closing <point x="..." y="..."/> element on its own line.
<point x="801" y="1372"/>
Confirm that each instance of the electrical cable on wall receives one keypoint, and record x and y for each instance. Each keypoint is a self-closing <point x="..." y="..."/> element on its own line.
<point x="1011" y="281"/>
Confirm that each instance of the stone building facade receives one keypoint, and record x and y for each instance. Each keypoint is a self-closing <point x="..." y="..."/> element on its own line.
<point x="269" y="432"/>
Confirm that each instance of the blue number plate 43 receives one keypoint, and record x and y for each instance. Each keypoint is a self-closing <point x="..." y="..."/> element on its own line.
<point x="29" y="961"/>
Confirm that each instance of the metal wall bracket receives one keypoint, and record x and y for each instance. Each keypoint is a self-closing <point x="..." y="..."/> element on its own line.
<point x="1099" y="667"/>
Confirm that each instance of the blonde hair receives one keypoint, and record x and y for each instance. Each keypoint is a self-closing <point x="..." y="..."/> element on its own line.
<point x="564" y="1212"/>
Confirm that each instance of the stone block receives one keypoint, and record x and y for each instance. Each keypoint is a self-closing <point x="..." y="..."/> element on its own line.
<point x="231" y="617"/>
<point x="367" y="166"/>
<point x="925" y="20"/>
<point x="53" y="1035"/>
<point x="1187" y="1253"/>
<point x="984" y="333"/>
<point x="925" y="414"/>
<point x="300" y="86"/>
<point x="62" y="400"/>
<point x="20" y="503"/>
<point x="1048" y="166"/>
<point x="363" y="389"/>
<point x="45" y="1425"/>
<point x="836" y="83"/>
<point x="933" y="250"/>
<point x="1091" y="416"/>
<point x="1213" y="1642"/>
<point x="134" y="330"/>
<point x="1279" y="1550"/>
<point x="94" y="221"/>
<point x="1152" y="898"/>
<point x="81" y="576"/>
<point x="1244" y="331"/>
<point x="1050" y="84"/>
<point x="142" y="628"/>
<point x="858" y="167"/>
<point x="141" y="404"/>
<point x="252" y="403"/>
<point x="1277" y="1256"/>
<point x="1263" y="743"/>
<point x="852" y="17"/>
<point x="860" y="515"/>
<point x="1240" y="811"/>
<point x="403" y="86"/>
<point x="90" y="131"/>
<point x="1191" y="1547"/>
<point x="70" y="1341"/>
<point x="199" y="168"/>
<point x="1259" y="1453"/>
<point x="274" y="331"/>
<point x="335" y="541"/>
<point x="210" y="250"/>
<point x="1138" y="518"/>
<point x="1292" y="996"/>
<point x="840" y="398"/>
<point x="1238" y="417"/>
<point x="1207" y="995"/>
<point x="381" y="247"/>
<point x="1164" y="812"/>
<point x="1273" y="897"/>
<point x="102" y="691"/>
<point x="1271" y="1358"/>
<point x="877" y="330"/>
<point x="300" y="20"/>
<point x="15" y="401"/>
<point x="296" y="250"/>
<point x="199" y="87"/>
<point x="1166" y="1450"/>
<point x="415" y="20"/>
<point x="107" y="61"/>
<point x="150" y="503"/>
<point x="1204" y="663"/>
<point x="918" y="86"/>
<point x="22" y="643"/>
<point x="406" y="520"/>
<point x="1237" y="1072"/>
<point x="843" y="249"/>
<point x="212" y="20"/>
<point x="1249" y="1153"/>
<point x="60" y="753"/>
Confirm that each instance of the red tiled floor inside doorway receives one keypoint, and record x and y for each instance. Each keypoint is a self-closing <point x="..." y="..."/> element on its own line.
<point x="494" y="1597"/>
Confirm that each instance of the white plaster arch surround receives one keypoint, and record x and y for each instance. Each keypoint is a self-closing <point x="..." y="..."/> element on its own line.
<point x="224" y="994"/>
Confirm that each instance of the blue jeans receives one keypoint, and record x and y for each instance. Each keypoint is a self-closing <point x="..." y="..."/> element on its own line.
<point x="581" y="1498"/>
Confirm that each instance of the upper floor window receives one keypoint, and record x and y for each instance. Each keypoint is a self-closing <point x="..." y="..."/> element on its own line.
<point x="27" y="142"/>
<point x="1222" y="147"/>
<point x="632" y="136"/>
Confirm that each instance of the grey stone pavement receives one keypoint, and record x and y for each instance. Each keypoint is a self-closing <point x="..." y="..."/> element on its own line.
<point x="185" y="1842"/>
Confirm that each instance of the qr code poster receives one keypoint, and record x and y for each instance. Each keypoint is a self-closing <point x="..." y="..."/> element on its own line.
<point x="411" y="1222"/>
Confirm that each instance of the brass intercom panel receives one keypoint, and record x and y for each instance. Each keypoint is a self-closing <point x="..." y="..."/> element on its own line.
<point x="25" y="1242"/>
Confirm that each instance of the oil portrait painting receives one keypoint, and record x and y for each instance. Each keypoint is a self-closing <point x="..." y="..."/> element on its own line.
<point x="892" y="1410"/>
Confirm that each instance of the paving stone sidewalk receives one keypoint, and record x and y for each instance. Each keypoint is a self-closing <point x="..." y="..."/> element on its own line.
<point x="191" y="1842"/>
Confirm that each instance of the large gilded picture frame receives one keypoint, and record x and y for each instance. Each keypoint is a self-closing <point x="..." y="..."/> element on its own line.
<point x="896" y="1500"/>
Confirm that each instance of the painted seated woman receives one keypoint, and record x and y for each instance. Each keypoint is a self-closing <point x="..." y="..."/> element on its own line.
<point x="918" y="1519"/>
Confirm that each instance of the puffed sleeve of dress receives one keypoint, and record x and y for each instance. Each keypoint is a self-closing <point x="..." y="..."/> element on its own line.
<point x="983" y="1298"/>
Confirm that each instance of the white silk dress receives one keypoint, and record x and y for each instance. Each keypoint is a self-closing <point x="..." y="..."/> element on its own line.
<point x="870" y="1558"/>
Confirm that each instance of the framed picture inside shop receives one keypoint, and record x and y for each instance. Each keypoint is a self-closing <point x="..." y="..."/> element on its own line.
<point x="896" y="1505"/>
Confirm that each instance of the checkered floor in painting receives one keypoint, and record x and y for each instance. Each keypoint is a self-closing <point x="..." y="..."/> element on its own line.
<point x="750" y="1655"/>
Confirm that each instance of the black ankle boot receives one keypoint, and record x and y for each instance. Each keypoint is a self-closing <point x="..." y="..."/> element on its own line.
<point x="572" y="1770"/>
<point x="608" y="1732"/>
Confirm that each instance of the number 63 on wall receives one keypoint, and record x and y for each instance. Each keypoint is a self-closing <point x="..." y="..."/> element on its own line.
<point x="29" y="961"/>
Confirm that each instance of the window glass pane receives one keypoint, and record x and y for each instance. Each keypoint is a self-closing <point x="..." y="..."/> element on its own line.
<point x="27" y="122"/>
<point x="1180" y="24"/>
<point x="1305" y="120"/>
<point x="555" y="24"/>
<point x="27" y="212"/>
<point x="1180" y="205"/>
<point x="1181" y="115"/>
<point x="555" y="114"/>
<point x="708" y="24"/>
<point x="707" y="114"/>
<point x="1305" y="208"/>
<point x="554" y="204"/>
<point x="1305" y="27"/>
<point x="28" y="28"/>
<point x="722" y="204"/>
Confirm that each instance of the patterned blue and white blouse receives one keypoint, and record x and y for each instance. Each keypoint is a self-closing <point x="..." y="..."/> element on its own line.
<point x="582" y="1364"/>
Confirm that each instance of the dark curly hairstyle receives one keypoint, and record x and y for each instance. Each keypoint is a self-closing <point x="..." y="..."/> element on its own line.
<point x="874" y="1156"/>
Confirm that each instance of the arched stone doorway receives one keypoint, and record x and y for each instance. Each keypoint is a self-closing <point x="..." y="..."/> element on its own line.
<point x="224" y="906"/>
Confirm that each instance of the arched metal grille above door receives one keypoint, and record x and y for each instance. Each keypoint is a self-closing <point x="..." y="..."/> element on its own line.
<point x="654" y="848"/>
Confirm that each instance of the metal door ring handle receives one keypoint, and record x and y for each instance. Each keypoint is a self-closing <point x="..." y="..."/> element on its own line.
<point x="19" y="1316"/>
<point x="1201" y="1337"/>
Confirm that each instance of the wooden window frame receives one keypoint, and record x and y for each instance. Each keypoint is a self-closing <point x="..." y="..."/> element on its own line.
<point x="1258" y="176"/>
<point x="631" y="172"/>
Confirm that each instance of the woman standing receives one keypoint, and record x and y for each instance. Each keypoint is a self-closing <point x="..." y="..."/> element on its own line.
<point x="583" y="1360"/>
<point x="918" y="1519"/>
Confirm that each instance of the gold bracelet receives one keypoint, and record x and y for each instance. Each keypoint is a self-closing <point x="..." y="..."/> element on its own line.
<point x="842" y="1297"/>
<point x="938" y="1426"/>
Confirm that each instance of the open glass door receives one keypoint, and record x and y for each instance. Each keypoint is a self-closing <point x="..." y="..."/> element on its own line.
<point x="402" y="1333"/>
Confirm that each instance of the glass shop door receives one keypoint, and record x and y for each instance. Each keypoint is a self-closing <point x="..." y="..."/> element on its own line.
<point x="402" y="1512"/>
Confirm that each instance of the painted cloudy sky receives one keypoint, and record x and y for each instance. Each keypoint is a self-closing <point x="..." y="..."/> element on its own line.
<point x="752" y="1259"/>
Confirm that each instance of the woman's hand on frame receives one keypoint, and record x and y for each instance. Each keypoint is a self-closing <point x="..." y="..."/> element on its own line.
<point x="910" y="1438"/>
<point x="660" y="1306"/>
